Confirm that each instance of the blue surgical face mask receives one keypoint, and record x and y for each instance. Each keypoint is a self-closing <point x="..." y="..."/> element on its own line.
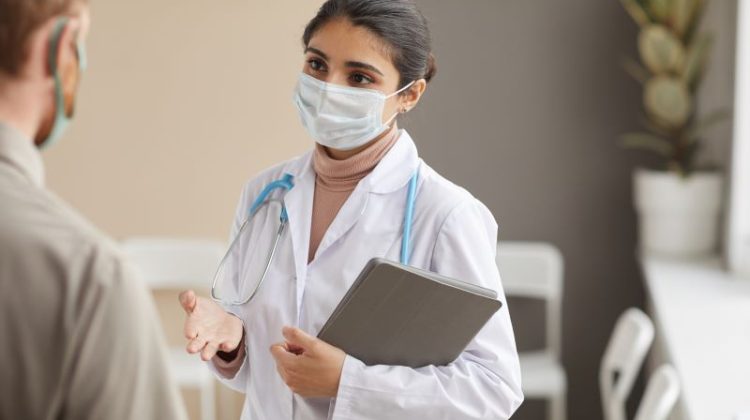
<point x="341" y="117"/>
<point x="62" y="119"/>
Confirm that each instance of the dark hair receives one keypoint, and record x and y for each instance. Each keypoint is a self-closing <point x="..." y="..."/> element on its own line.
<point x="18" y="20"/>
<point x="398" y="22"/>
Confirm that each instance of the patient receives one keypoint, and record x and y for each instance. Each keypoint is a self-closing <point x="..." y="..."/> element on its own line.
<point x="78" y="337"/>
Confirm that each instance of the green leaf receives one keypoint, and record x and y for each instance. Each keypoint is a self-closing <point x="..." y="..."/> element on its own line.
<point x="682" y="14"/>
<point x="667" y="100"/>
<point x="655" y="127"/>
<point x="647" y="141"/>
<point x="695" y="59"/>
<point x="634" y="69"/>
<point x="659" y="9"/>
<point x="636" y="12"/>
<point x="703" y="124"/>
<point x="661" y="51"/>
<point x="700" y="6"/>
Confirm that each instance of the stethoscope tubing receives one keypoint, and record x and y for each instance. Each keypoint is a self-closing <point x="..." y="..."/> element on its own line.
<point x="287" y="183"/>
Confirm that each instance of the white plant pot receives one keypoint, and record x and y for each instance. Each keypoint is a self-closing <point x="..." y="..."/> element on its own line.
<point x="679" y="217"/>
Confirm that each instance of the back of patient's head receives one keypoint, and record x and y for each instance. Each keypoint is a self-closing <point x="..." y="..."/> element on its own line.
<point x="42" y="57"/>
<point x="20" y="20"/>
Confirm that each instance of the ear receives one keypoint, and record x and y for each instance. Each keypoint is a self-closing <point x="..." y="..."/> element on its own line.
<point x="62" y="44"/>
<point x="410" y="97"/>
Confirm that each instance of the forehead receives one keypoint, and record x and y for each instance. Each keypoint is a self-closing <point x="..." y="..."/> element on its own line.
<point x="343" y="41"/>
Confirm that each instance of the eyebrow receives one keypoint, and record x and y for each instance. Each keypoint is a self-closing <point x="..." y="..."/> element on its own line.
<point x="360" y="65"/>
<point x="317" y="51"/>
<point x="353" y="64"/>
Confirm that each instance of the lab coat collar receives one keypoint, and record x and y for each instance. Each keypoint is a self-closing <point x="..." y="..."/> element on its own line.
<point x="392" y="173"/>
<point x="20" y="152"/>
<point x="395" y="169"/>
<point x="302" y="167"/>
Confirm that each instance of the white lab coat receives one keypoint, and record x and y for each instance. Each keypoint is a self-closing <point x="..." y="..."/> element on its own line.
<point x="453" y="234"/>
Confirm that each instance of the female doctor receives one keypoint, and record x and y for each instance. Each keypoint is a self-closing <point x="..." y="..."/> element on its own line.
<point x="306" y="228"/>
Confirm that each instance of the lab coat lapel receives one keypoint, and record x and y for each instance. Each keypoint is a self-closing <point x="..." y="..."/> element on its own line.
<point x="346" y="218"/>
<point x="392" y="173"/>
<point x="298" y="203"/>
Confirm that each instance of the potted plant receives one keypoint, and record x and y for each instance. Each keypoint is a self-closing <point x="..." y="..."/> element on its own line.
<point x="679" y="204"/>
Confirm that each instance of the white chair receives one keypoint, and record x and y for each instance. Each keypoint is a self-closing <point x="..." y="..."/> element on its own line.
<point x="622" y="361"/>
<point x="535" y="270"/>
<point x="174" y="264"/>
<point x="661" y="394"/>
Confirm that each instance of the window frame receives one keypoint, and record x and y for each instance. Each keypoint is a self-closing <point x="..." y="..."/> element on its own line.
<point x="738" y="235"/>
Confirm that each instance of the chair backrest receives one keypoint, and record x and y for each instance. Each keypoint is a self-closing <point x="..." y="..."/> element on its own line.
<point x="623" y="358"/>
<point x="661" y="394"/>
<point x="535" y="270"/>
<point x="170" y="263"/>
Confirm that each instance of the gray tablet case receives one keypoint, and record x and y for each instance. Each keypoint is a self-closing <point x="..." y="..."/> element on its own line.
<point x="399" y="315"/>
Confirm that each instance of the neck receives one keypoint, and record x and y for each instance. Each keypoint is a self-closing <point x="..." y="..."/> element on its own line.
<point x="344" y="154"/>
<point x="18" y="107"/>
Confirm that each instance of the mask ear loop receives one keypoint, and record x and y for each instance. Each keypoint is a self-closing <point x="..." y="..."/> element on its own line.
<point x="401" y="90"/>
<point x="395" y="114"/>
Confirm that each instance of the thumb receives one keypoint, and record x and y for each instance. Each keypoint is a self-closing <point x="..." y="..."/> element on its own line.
<point x="188" y="301"/>
<point x="298" y="337"/>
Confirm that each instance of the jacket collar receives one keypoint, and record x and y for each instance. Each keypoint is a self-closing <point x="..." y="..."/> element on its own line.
<point x="19" y="152"/>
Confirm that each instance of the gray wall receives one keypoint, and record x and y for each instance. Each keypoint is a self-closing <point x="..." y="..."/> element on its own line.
<point x="525" y="112"/>
<point x="717" y="89"/>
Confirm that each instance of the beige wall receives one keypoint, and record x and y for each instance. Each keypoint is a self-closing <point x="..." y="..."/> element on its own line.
<point x="184" y="101"/>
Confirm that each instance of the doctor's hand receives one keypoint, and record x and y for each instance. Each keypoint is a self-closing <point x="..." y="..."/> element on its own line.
<point x="309" y="366"/>
<point x="208" y="327"/>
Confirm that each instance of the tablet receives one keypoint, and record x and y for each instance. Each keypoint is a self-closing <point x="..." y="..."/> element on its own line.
<point x="399" y="315"/>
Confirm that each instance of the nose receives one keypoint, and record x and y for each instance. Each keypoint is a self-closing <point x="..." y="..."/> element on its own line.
<point x="340" y="78"/>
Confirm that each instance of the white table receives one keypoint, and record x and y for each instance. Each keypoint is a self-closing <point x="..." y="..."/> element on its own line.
<point x="702" y="317"/>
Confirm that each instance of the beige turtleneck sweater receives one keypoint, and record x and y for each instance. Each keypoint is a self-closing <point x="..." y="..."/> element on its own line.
<point x="335" y="181"/>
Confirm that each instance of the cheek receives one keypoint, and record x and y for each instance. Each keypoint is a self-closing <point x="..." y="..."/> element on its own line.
<point x="392" y="106"/>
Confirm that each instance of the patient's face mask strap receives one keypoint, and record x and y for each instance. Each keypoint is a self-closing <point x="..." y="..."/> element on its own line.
<point x="62" y="116"/>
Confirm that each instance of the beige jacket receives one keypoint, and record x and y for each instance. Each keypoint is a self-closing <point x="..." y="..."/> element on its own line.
<point x="79" y="334"/>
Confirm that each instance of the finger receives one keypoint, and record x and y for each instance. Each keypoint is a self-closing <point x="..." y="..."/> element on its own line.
<point x="293" y="348"/>
<point x="296" y="336"/>
<point x="191" y="328"/>
<point x="188" y="301"/>
<point x="282" y="356"/>
<point x="228" y="347"/>
<point x="209" y="351"/>
<point x="196" y="345"/>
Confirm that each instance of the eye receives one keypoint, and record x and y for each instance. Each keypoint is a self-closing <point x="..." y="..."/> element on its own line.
<point x="361" y="79"/>
<point x="316" y="64"/>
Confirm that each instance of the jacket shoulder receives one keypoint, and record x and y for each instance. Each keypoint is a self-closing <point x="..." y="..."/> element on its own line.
<point x="294" y="166"/>
<point x="445" y="197"/>
<point x="47" y="242"/>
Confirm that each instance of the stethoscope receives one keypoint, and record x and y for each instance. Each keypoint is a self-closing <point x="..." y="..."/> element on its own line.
<point x="285" y="184"/>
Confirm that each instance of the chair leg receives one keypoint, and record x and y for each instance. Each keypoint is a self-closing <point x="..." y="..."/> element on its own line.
<point x="556" y="409"/>
<point x="208" y="400"/>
